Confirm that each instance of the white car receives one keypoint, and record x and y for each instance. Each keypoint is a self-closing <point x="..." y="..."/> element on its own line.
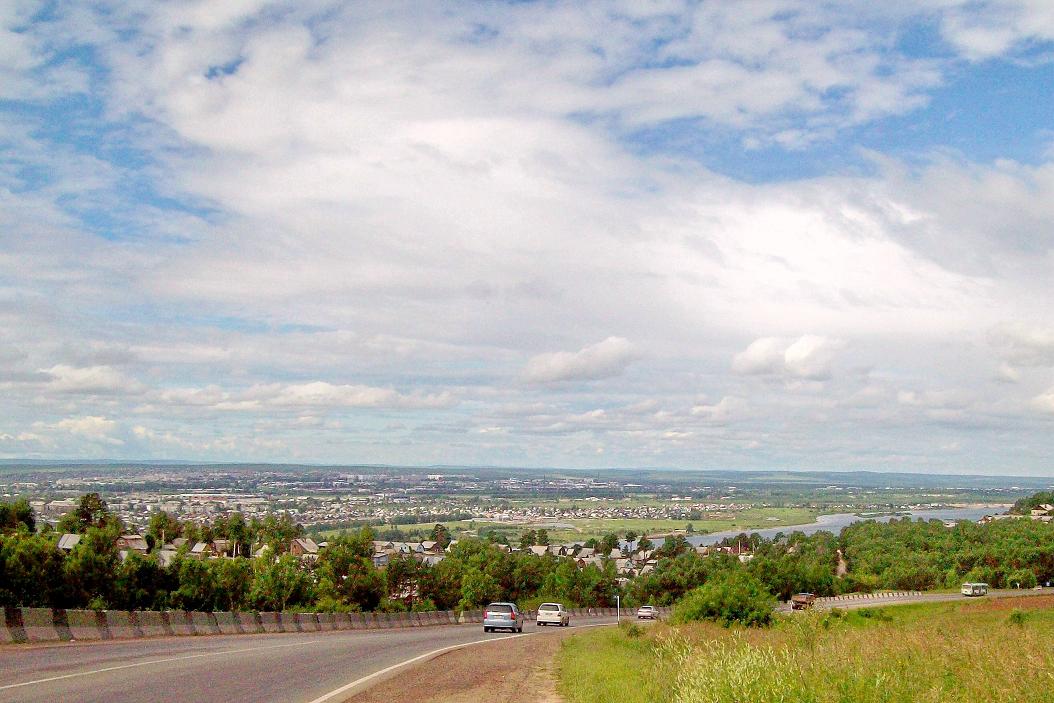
<point x="553" y="614"/>
<point x="647" y="612"/>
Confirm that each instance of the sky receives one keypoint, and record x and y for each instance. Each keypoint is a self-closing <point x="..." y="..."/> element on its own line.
<point x="761" y="234"/>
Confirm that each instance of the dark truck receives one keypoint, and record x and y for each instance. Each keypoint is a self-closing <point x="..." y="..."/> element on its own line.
<point x="802" y="601"/>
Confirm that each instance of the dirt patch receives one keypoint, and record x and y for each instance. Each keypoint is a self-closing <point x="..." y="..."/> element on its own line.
<point x="517" y="671"/>
<point x="1022" y="602"/>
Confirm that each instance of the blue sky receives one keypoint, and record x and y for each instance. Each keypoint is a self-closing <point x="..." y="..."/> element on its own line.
<point x="772" y="234"/>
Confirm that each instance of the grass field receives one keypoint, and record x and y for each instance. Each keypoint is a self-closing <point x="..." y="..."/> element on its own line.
<point x="745" y="520"/>
<point x="960" y="652"/>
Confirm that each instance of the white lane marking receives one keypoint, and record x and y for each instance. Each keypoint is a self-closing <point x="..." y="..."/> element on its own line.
<point x="156" y="661"/>
<point x="434" y="653"/>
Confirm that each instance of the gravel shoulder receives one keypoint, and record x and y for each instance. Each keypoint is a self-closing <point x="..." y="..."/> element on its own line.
<point x="519" y="670"/>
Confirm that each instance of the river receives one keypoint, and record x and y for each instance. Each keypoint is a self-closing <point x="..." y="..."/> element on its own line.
<point x="835" y="522"/>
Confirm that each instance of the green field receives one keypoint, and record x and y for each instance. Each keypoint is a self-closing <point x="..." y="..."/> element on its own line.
<point x="958" y="652"/>
<point x="583" y="529"/>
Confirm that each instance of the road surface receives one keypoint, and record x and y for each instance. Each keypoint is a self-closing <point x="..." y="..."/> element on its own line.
<point x="293" y="668"/>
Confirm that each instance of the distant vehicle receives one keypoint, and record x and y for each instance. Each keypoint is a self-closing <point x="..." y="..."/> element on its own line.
<point x="553" y="614"/>
<point x="975" y="589"/>
<point x="802" y="601"/>
<point x="502" y="616"/>
<point x="647" y="612"/>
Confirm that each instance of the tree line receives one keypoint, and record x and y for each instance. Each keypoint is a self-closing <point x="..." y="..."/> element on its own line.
<point x="897" y="555"/>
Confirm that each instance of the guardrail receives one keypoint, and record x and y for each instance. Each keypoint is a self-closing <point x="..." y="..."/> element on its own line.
<point x="868" y="596"/>
<point x="27" y="625"/>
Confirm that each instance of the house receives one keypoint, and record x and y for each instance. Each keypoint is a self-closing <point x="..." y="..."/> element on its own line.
<point x="304" y="547"/>
<point x="381" y="559"/>
<point x="132" y="543"/>
<point x="202" y="550"/>
<point x="68" y="541"/>
<point x="165" y="557"/>
<point x="538" y="550"/>
<point x="223" y="547"/>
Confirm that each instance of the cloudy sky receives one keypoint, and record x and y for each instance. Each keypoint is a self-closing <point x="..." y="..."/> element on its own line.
<point x="759" y="234"/>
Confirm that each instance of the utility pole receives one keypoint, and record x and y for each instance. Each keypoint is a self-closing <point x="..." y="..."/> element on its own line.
<point x="618" y="609"/>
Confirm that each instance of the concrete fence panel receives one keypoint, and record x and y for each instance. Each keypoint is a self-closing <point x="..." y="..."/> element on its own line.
<point x="154" y="624"/>
<point x="272" y="622"/>
<point x="307" y="622"/>
<point x="249" y="622"/>
<point x="9" y="632"/>
<point x="39" y="625"/>
<point x="227" y="623"/>
<point x="84" y="625"/>
<point x="16" y="631"/>
<point x="327" y="621"/>
<point x="204" y="623"/>
<point x="181" y="623"/>
<point x="384" y="621"/>
<point x="120" y="624"/>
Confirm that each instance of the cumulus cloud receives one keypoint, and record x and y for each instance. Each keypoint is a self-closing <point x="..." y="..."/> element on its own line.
<point x="92" y="379"/>
<point x="384" y="193"/>
<point x="807" y="357"/>
<point x="1044" y="402"/>
<point x="727" y="409"/>
<point x="91" y="427"/>
<point x="1024" y="345"/>
<point x="601" y="360"/>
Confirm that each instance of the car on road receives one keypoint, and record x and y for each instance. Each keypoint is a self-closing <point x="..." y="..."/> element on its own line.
<point x="647" y="612"/>
<point x="553" y="614"/>
<point x="502" y="616"/>
<point x="802" y="601"/>
<point x="974" y="589"/>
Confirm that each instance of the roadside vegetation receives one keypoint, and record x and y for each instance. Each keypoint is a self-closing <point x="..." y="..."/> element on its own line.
<point x="934" y="653"/>
<point x="899" y="555"/>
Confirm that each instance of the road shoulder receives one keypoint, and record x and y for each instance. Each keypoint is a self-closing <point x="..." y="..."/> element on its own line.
<point x="519" y="669"/>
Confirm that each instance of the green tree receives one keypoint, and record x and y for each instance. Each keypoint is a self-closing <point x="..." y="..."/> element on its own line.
<point x="477" y="589"/>
<point x="733" y="597"/>
<point x="17" y="515"/>
<point x="31" y="571"/>
<point x="543" y="538"/>
<point x="528" y="539"/>
<point x="441" y="535"/>
<point x="234" y="580"/>
<point x="91" y="567"/>
<point x="91" y="511"/>
<point x="280" y="584"/>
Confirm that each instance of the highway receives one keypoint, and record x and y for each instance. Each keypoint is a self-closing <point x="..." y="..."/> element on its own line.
<point x="294" y="668"/>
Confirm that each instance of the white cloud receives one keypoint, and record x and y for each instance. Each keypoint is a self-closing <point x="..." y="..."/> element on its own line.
<point x="1024" y="345"/>
<point x="807" y="357"/>
<point x="727" y="409"/>
<point x="1044" y="402"/>
<point x="92" y="379"/>
<point x="92" y="427"/>
<point x="601" y="360"/>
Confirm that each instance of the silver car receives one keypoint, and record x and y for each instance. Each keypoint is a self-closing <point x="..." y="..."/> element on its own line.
<point x="553" y="614"/>
<point x="504" y="616"/>
<point x="647" y="612"/>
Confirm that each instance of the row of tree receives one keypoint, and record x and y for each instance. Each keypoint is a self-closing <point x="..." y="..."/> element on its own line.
<point x="900" y="554"/>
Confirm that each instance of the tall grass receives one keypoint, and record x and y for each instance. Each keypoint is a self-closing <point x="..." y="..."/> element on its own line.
<point x="943" y="654"/>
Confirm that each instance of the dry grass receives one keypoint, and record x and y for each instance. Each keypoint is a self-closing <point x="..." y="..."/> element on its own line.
<point x="947" y="653"/>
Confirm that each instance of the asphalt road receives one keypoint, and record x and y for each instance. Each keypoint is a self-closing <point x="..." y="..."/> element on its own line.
<point x="293" y="668"/>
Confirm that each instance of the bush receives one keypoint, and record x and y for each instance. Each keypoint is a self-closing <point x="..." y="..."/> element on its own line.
<point x="731" y="597"/>
<point x="1017" y="617"/>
